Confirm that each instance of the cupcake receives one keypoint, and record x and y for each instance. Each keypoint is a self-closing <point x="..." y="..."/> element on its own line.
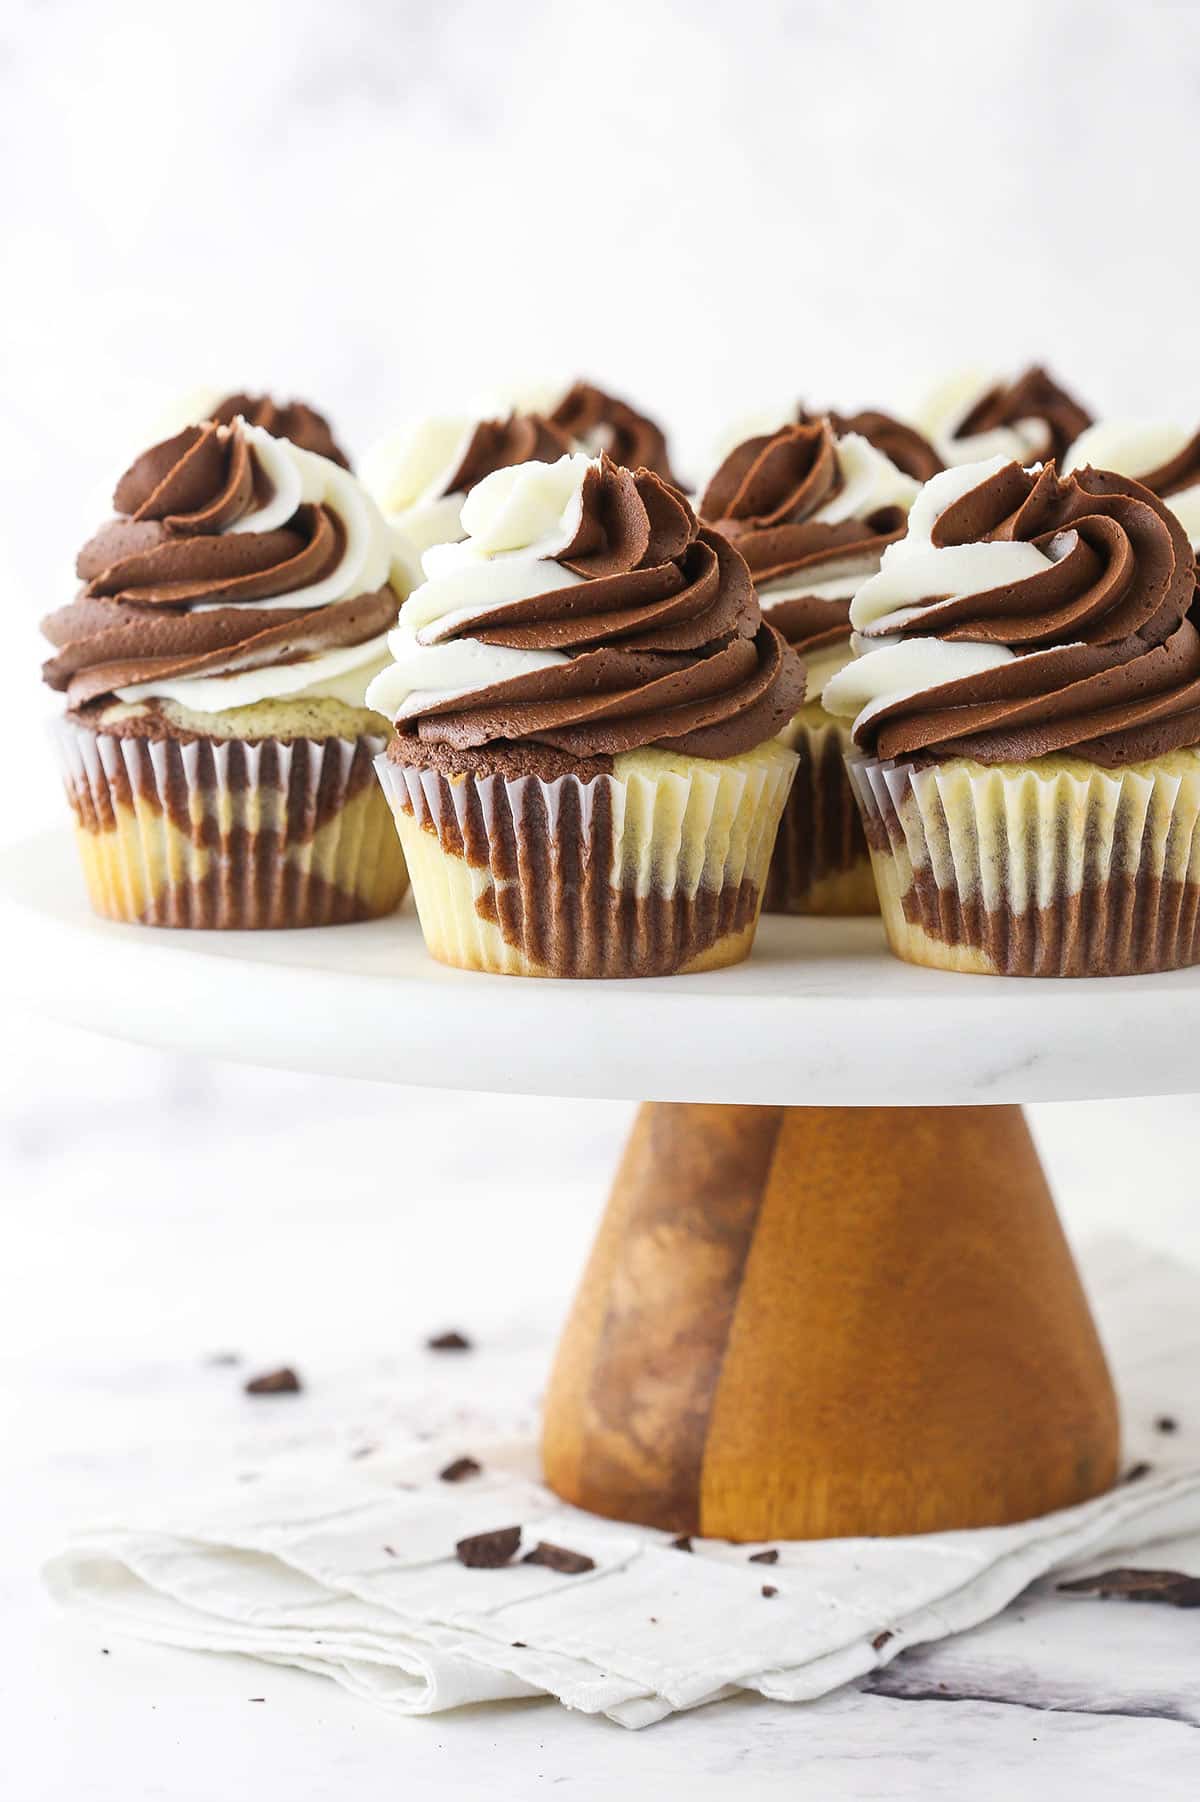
<point x="294" y="420"/>
<point x="812" y="512"/>
<point x="420" y="475"/>
<point x="1026" y="712"/>
<point x="972" y="415"/>
<point x="218" y="752"/>
<point x="585" y="774"/>
<point x="1163" y="457"/>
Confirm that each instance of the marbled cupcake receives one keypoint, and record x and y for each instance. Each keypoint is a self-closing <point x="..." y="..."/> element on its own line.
<point x="421" y="474"/>
<point x="585" y="774"/>
<point x="812" y="511"/>
<point x="972" y="415"/>
<point x="217" y="746"/>
<point x="1026" y="708"/>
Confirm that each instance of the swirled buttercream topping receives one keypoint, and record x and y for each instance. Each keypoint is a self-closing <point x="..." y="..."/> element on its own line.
<point x="239" y="567"/>
<point x="421" y="473"/>
<point x="971" y="416"/>
<point x="1026" y="613"/>
<point x="295" y="420"/>
<point x="1161" y="456"/>
<point x="812" y="514"/>
<point x="588" y="611"/>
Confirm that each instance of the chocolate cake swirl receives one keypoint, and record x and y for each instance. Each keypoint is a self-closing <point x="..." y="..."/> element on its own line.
<point x="1025" y="614"/>
<point x="600" y="422"/>
<point x="589" y="613"/>
<point x="782" y="499"/>
<point x="292" y="419"/>
<point x="231" y="551"/>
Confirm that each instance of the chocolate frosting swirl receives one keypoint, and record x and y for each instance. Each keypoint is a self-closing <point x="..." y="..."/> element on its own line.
<point x="664" y="641"/>
<point x="291" y="419"/>
<point x="1034" y="395"/>
<point x="765" y="497"/>
<point x="1106" y="665"/>
<point x="601" y="422"/>
<point x="901" y="444"/>
<point x="170" y="591"/>
<point x="500" y="443"/>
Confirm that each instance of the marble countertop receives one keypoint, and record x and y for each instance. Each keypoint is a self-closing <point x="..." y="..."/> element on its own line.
<point x="163" y="1213"/>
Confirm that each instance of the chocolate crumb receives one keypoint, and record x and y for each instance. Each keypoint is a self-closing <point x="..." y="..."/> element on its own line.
<point x="1136" y="1472"/>
<point x="1173" y="1587"/>
<point x="771" y="1557"/>
<point x="283" y="1381"/>
<point x="557" y="1557"/>
<point x="104" y="1652"/>
<point x="257" y="1698"/>
<point x="683" y="1543"/>
<point x="488" y="1551"/>
<point x="1166" y="1423"/>
<point x="880" y="1640"/>
<point x="769" y="1589"/>
<point x="391" y="1551"/>
<point x="451" y="1341"/>
<point x="460" y="1469"/>
<point x="518" y="1645"/>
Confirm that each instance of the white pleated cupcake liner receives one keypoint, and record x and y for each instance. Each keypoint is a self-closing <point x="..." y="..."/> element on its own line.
<point x="656" y="868"/>
<point x="1057" y="868"/>
<point x="229" y="833"/>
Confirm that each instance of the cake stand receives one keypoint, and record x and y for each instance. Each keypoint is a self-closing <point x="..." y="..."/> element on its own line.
<point x="831" y="1294"/>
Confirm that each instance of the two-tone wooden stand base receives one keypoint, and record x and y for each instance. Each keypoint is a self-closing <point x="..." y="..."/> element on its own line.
<point x="797" y="1320"/>
<point x="805" y="1322"/>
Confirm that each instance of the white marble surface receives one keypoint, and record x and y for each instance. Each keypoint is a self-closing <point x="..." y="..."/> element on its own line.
<point x="820" y="1014"/>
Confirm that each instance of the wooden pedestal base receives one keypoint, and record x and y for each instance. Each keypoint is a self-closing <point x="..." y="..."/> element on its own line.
<point x="806" y="1322"/>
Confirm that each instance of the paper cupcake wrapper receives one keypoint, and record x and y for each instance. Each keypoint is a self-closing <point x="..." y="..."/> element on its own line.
<point x="1056" y="868"/>
<point x="655" y="869"/>
<point x="231" y="834"/>
<point x="821" y="864"/>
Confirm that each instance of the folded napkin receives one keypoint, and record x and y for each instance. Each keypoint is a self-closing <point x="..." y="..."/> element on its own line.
<point x="356" y="1577"/>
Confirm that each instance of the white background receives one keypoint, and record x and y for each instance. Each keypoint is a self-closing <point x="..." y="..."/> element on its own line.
<point x="385" y="208"/>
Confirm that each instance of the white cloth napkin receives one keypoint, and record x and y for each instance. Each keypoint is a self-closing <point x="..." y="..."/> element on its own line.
<point x="355" y="1576"/>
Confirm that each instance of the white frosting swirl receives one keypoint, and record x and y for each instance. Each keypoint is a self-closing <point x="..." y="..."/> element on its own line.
<point x="1137" y="447"/>
<point x="368" y="561"/>
<point x="885" y="669"/>
<point x="517" y="521"/>
<point x="409" y="472"/>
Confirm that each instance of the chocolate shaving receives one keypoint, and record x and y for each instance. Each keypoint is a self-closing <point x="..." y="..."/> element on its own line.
<point x="880" y="1640"/>
<point x="1166" y="1423"/>
<point x="1136" y="1472"/>
<point x="488" y="1551"/>
<point x="768" y="1557"/>
<point x="769" y="1589"/>
<point x="391" y="1551"/>
<point x="683" y="1543"/>
<point x="283" y="1381"/>
<point x="557" y="1557"/>
<point x="459" y="1470"/>
<point x="451" y="1341"/>
<point x="1174" y="1588"/>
